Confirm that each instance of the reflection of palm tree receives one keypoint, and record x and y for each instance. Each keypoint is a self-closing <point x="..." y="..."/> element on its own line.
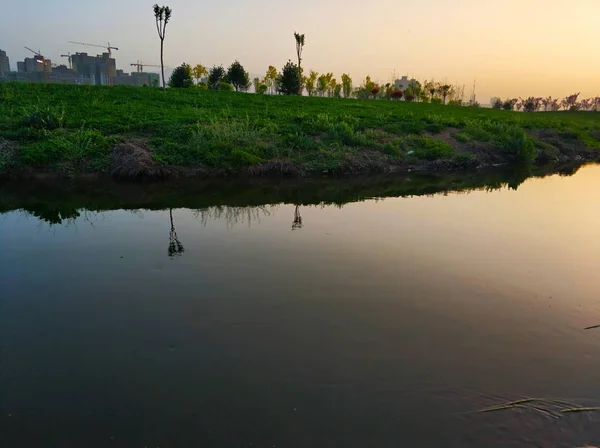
<point x="175" y="246"/>
<point x="297" y="224"/>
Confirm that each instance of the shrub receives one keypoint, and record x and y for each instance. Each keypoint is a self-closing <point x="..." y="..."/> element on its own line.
<point x="262" y="89"/>
<point x="215" y="76"/>
<point x="375" y="91"/>
<point x="181" y="77"/>
<point x="238" y="77"/>
<point x="289" y="81"/>
<point x="516" y="145"/>
<point x="225" y="86"/>
<point x="397" y="94"/>
<point x="202" y="86"/>
<point x="429" y="149"/>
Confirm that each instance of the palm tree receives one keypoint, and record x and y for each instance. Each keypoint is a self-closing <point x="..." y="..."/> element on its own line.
<point x="162" y="14"/>
<point x="175" y="246"/>
<point x="299" y="48"/>
<point x="297" y="223"/>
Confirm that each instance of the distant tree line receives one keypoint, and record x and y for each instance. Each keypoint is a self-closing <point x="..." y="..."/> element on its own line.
<point x="548" y="104"/>
<point x="292" y="81"/>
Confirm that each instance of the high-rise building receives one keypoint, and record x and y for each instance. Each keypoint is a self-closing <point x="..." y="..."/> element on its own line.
<point x="101" y="69"/>
<point x="37" y="64"/>
<point x="139" y="79"/>
<point x="4" y="62"/>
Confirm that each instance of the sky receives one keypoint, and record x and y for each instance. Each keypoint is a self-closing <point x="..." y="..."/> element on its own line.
<point x="511" y="48"/>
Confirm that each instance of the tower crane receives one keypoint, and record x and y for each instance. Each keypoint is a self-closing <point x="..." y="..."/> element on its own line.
<point x="37" y="53"/>
<point x="68" y="55"/>
<point x="108" y="47"/>
<point x="140" y="66"/>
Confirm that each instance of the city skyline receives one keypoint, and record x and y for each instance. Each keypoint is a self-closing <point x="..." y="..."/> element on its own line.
<point x="520" y="48"/>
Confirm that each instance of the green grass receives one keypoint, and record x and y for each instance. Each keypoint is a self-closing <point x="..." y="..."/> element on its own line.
<point x="54" y="125"/>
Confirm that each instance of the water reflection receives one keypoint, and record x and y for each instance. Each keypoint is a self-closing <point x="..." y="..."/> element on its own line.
<point x="297" y="224"/>
<point x="175" y="246"/>
<point x="57" y="202"/>
<point x="381" y="323"/>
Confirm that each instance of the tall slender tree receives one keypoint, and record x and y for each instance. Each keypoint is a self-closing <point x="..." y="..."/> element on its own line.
<point x="162" y="14"/>
<point x="299" y="48"/>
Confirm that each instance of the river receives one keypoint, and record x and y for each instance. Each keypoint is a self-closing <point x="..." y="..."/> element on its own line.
<point x="373" y="316"/>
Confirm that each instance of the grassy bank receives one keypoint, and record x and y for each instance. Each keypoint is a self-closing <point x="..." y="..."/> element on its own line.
<point x="129" y="132"/>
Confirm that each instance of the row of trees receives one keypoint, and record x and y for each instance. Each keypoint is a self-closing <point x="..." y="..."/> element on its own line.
<point x="548" y="104"/>
<point x="292" y="81"/>
<point x="217" y="78"/>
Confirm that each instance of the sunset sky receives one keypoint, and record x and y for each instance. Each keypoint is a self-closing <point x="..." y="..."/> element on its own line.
<point x="511" y="47"/>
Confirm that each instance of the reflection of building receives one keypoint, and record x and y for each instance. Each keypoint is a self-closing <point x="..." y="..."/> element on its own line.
<point x="4" y="62"/>
<point x="137" y="79"/>
<point x="100" y="70"/>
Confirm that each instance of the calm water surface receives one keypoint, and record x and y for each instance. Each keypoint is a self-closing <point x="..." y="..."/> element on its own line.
<point x="382" y="323"/>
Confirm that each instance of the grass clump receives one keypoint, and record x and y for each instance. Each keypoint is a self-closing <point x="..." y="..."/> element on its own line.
<point x="82" y="147"/>
<point x="44" y="117"/>
<point x="427" y="148"/>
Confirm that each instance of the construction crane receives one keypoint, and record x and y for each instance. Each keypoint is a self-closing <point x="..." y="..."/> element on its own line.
<point x="37" y="53"/>
<point x="140" y="66"/>
<point x="68" y="55"/>
<point x="108" y="47"/>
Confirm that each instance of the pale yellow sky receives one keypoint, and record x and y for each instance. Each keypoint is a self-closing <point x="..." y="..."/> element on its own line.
<point x="512" y="47"/>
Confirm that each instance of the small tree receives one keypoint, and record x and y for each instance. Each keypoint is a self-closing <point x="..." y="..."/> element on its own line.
<point x="270" y="78"/>
<point x="531" y="104"/>
<point x="375" y="91"/>
<point x="299" y="48"/>
<point x="415" y="90"/>
<point x="430" y="88"/>
<point x="215" y="76"/>
<point x="337" y="91"/>
<point x="322" y="84"/>
<point x="288" y="81"/>
<point x="509" y="104"/>
<point x="310" y="81"/>
<point x="199" y="71"/>
<point x="332" y="84"/>
<point x="238" y="77"/>
<point x="162" y="14"/>
<point x="497" y="104"/>
<point x="445" y="90"/>
<point x="181" y="77"/>
<point x="256" y="84"/>
<point x="346" y="85"/>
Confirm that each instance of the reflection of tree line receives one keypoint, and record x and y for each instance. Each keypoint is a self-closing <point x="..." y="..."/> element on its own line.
<point x="232" y="216"/>
<point x="57" y="203"/>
